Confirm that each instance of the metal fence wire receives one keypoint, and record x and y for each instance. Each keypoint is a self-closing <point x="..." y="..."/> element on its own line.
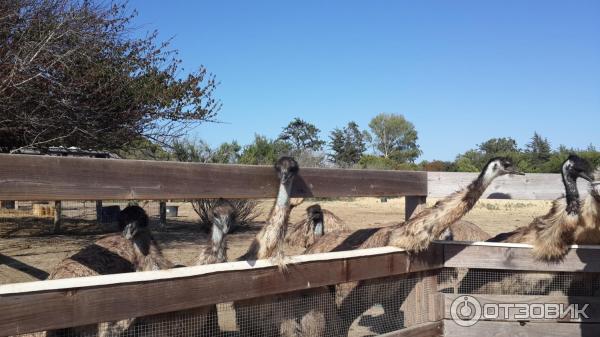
<point x="506" y="282"/>
<point x="371" y="308"/>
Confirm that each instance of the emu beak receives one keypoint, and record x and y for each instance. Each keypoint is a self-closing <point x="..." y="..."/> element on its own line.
<point x="516" y="172"/>
<point x="587" y="177"/>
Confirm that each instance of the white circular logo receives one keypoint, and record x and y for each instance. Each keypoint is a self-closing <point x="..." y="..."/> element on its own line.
<point x="465" y="311"/>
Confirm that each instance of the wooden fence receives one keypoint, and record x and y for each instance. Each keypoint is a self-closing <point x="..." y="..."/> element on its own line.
<point x="55" y="304"/>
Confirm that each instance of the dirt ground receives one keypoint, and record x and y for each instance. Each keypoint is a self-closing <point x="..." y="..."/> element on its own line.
<point x="28" y="251"/>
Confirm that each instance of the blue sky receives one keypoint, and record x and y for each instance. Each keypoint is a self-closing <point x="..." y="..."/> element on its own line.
<point x="461" y="71"/>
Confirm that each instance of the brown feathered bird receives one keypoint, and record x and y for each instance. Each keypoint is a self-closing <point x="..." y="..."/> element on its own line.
<point x="415" y="235"/>
<point x="317" y="222"/>
<point x="552" y="233"/>
<point x="134" y="249"/>
<point x="202" y="321"/>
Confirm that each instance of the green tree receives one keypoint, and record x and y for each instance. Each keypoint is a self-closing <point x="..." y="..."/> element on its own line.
<point x="263" y="151"/>
<point x="191" y="151"/>
<point x="394" y="137"/>
<point x="227" y="153"/>
<point x="302" y="135"/>
<point x="498" y="146"/>
<point x="72" y="74"/>
<point x="347" y="145"/>
<point x="538" y="152"/>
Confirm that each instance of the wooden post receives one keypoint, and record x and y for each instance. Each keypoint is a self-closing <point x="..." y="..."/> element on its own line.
<point x="163" y="214"/>
<point x="57" y="216"/>
<point x="411" y="203"/>
<point x="99" y="210"/>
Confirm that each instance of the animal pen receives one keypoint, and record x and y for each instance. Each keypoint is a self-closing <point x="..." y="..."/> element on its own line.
<point x="401" y="294"/>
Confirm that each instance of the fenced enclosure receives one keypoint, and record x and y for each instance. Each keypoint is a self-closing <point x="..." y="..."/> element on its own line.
<point x="398" y="294"/>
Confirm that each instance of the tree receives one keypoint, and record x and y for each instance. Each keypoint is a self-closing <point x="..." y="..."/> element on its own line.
<point x="263" y="151"/>
<point x="191" y="151"/>
<point x="227" y="153"/>
<point x="538" y="152"/>
<point x="347" y="145"/>
<point x="72" y="74"/>
<point x="498" y="146"/>
<point x="395" y="137"/>
<point x="302" y="135"/>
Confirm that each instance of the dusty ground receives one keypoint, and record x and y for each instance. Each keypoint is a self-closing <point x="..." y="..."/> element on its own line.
<point x="28" y="251"/>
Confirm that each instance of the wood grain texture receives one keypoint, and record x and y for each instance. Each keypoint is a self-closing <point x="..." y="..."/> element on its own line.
<point x="532" y="186"/>
<point x="64" y="178"/>
<point x="434" y="329"/>
<point x="517" y="257"/>
<point x="51" y="305"/>
<point x="592" y="310"/>
<point x="514" y="329"/>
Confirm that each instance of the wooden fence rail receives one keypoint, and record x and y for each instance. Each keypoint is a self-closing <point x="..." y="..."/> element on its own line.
<point x="54" y="304"/>
<point x="25" y="177"/>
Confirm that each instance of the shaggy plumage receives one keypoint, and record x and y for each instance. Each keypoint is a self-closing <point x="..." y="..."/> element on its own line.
<point x="317" y="222"/>
<point x="564" y="224"/>
<point x="134" y="249"/>
<point x="269" y="242"/>
<point x="414" y="235"/>
<point x="463" y="230"/>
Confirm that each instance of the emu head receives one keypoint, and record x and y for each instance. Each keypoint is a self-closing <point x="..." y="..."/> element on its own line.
<point x="314" y="214"/>
<point x="287" y="169"/>
<point x="133" y="221"/>
<point x="576" y="167"/>
<point x="223" y="216"/>
<point x="500" y="166"/>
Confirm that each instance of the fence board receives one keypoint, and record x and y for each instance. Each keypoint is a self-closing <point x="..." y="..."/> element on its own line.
<point x="514" y="329"/>
<point x="517" y="257"/>
<point x="434" y="329"/>
<point x="25" y="177"/>
<point x="532" y="186"/>
<point x="72" y="302"/>
<point x="592" y="310"/>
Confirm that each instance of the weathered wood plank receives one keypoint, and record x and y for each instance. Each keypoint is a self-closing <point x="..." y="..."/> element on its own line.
<point x="434" y="329"/>
<point x="508" y="311"/>
<point x="532" y="186"/>
<point x="60" y="303"/>
<point x="517" y="257"/>
<point x="515" y="329"/>
<point x="63" y="178"/>
<point x="411" y="203"/>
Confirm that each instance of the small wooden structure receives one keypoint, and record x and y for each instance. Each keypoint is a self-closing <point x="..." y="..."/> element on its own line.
<point x="44" y="305"/>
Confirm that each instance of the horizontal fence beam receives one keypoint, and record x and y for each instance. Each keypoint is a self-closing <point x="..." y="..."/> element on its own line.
<point x="24" y="177"/>
<point x="502" y="256"/>
<point x="524" y="302"/>
<point x="54" y="304"/>
<point x="532" y="186"/>
<point x="434" y="329"/>
<point x="529" y="329"/>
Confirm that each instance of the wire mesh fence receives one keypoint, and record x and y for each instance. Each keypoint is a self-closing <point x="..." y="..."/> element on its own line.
<point x="371" y="308"/>
<point x="507" y="282"/>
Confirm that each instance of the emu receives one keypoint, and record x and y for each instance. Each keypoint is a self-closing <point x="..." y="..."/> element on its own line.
<point x="134" y="249"/>
<point x="317" y="222"/>
<point x="414" y="235"/>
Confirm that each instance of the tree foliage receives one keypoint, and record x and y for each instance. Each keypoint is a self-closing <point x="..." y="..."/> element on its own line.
<point x="263" y="151"/>
<point x="394" y="137"/>
<point x="302" y="135"/>
<point x="72" y="74"/>
<point x="347" y="145"/>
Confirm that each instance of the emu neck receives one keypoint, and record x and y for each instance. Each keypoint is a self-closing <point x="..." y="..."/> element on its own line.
<point x="218" y="245"/>
<point x="476" y="188"/>
<point x="571" y="194"/>
<point x="319" y="230"/>
<point x="283" y="196"/>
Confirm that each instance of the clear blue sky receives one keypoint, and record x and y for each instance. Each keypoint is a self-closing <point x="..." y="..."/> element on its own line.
<point x="461" y="71"/>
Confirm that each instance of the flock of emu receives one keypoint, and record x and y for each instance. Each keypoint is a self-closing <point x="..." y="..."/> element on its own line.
<point x="569" y="221"/>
